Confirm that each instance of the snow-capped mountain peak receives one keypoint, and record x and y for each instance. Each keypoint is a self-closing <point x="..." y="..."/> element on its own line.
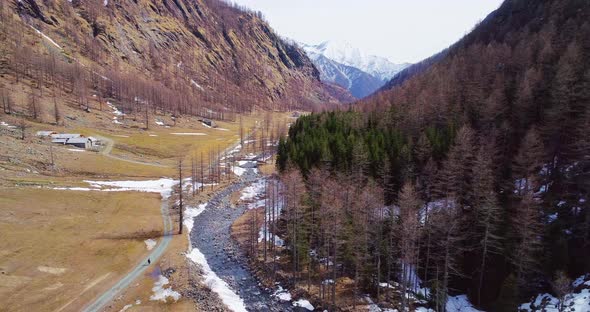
<point x="345" y="53"/>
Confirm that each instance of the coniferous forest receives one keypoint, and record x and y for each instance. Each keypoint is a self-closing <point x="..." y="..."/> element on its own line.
<point x="470" y="177"/>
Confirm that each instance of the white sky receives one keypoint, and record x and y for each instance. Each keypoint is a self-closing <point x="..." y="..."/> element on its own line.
<point x="401" y="30"/>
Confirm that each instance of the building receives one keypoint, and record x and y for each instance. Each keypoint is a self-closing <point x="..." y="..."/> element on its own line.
<point x="82" y="142"/>
<point x="209" y="123"/>
<point x="59" y="141"/>
<point x="66" y="135"/>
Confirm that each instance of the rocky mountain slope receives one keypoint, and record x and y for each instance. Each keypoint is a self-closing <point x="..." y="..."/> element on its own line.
<point x="204" y="51"/>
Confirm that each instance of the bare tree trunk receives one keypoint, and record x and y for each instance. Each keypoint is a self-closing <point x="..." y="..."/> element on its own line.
<point x="180" y="196"/>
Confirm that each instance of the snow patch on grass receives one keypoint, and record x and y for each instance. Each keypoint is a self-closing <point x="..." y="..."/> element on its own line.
<point x="188" y="133"/>
<point x="150" y="243"/>
<point x="162" y="186"/>
<point x="50" y="270"/>
<point x="161" y="293"/>
<point x="76" y="150"/>
<point x="73" y="189"/>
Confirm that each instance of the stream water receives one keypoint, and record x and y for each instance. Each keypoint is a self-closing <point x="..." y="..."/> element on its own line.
<point x="211" y="235"/>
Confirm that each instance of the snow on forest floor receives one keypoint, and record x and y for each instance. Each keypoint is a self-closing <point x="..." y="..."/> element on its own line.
<point x="576" y="301"/>
<point x="116" y="112"/>
<point x="4" y="124"/>
<point x="303" y="303"/>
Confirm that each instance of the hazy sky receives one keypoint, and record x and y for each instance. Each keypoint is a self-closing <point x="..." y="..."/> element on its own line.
<point x="401" y="30"/>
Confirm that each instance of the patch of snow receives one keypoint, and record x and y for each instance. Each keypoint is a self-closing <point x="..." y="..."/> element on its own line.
<point x="7" y="125"/>
<point x="51" y="270"/>
<point x="577" y="301"/>
<point x="282" y="294"/>
<point x="46" y="37"/>
<point x="254" y="190"/>
<point x="121" y="136"/>
<point x="552" y="217"/>
<point x="188" y="133"/>
<point x="116" y="112"/>
<point x="159" y="122"/>
<point x="303" y="304"/>
<point x="278" y="241"/>
<point x="582" y="280"/>
<point x="238" y="171"/>
<point x="150" y="243"/>
<point x="162" y="186"/>
<point x="76" y="150"/>
<point x="219" y="286"/>
<point x="189" y="215"/>
<point x="105" y="2"/>
<point x="126" y="307"/>
<point x="222" y="129"/>
<point x="153" y="135"/>
<point x="194" y="83"/>
<point x="161" y="293"/>
<point x="73" y="189"/>
<point x="373" y="307"/>
<point x="460" y="303"/>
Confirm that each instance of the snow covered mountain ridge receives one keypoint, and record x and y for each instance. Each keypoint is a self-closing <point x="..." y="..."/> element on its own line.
<point x="351" y="68"/>
<point x="345" y="53"/>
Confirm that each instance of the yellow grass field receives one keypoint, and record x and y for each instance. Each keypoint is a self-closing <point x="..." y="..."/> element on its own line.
<point x="59" y="249"/>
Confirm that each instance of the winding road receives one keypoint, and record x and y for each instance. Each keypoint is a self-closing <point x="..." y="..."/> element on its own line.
<point x="109" y="295"/>
<point x="211" y="234"/>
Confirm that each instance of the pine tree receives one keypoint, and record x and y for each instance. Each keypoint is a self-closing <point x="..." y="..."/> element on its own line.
<point x="456" y="176"/>
<point x="528" y="228"/>
<point x="528" y="162"/>
<point x="487" y="212"/>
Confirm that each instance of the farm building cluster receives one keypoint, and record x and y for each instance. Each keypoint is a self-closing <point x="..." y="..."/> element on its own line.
<point x="72" y="139"/>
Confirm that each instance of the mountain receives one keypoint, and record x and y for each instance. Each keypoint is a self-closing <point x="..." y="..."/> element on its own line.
<point x="349" y="67"/>
<point x="205" y="54"/>
<point x="413" y="70"/>
<point x="358" y="82"/>
<point x="488" y="139"/>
